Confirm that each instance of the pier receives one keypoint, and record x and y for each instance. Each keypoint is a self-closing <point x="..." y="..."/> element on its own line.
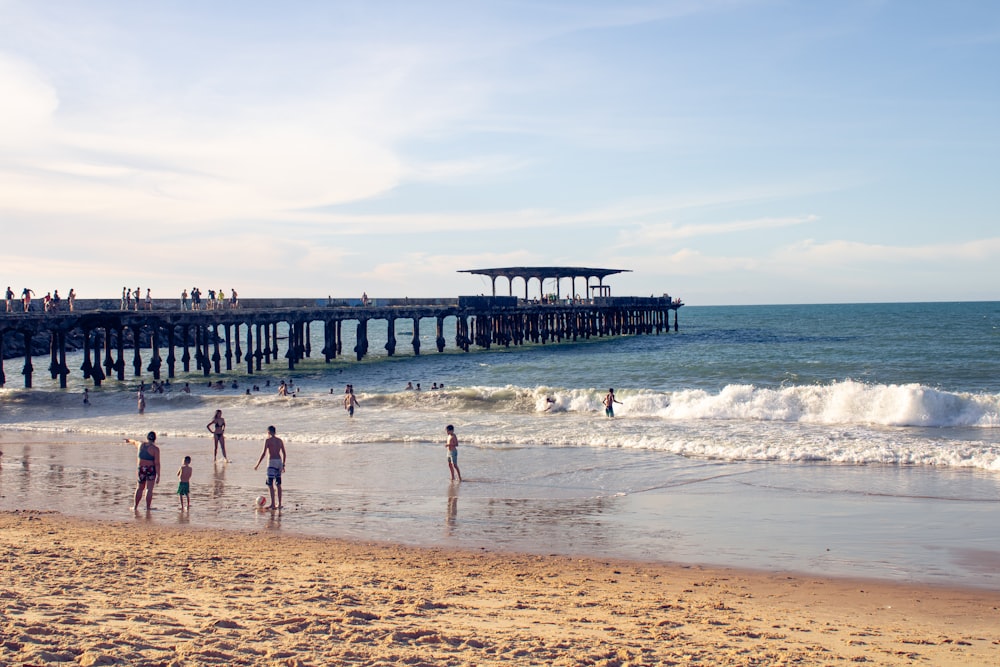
<point x="166" y="339"/>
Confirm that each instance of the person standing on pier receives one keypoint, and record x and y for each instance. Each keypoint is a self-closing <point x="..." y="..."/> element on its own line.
<point x="274" y="449"/>
<point x="609" y="403"/>
<point x="26" y="298"/>
<point x="217" y="427"/>
<point x="149" y="468"/>
<point x="10" y="299"/>
<point x="71" y="299"/>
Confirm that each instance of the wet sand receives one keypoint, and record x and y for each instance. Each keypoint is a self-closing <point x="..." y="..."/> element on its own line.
<point x="902" y="524"/>
<point x="138" y="593"/>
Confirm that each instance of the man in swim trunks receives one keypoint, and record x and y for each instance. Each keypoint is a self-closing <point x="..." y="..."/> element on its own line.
<point x="149" y="468"/>
<point x="452" y="446"/>
<point x="609" y="403"/>
<point x="350" y="401"/>
<point x="274" y="449"/>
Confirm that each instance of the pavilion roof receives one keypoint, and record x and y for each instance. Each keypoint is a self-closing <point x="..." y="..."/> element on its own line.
<point x="542" y="272"/>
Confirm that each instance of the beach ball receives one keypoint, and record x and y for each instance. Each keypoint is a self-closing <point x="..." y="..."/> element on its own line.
<point x="260" y="501"/>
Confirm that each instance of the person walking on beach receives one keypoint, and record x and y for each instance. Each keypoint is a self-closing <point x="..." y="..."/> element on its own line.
<point x="452" y="446"/>
<point x="149" y="468"/>
<point x="217" y="427"/>
<point x="274" y="449"/>
<point x="609" y="403"/>
<point x="350" y="401"/>
<point x="184" y="485"/>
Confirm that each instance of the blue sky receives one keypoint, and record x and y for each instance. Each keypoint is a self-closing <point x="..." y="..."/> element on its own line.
<point x="728" y="152"/>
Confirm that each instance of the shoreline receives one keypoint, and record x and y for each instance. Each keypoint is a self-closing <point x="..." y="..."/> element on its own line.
<point x="112" y="592"/>
<point x="752" y="516"/>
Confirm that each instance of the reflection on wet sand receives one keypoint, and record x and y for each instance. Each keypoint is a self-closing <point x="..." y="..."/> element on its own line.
<point x="452" y="508"/>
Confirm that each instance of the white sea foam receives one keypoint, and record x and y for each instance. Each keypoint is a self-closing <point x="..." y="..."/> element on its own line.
<point x="841" y="422"/>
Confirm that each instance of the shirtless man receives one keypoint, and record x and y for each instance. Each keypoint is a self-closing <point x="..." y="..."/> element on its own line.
<point x="274" y="449"/>
<point x="350" y="401"/>
<point x="217" y="427"/>
<point x="149" y="468"/>
<point x="609" y="403"/>
<point x="452" y="445"/>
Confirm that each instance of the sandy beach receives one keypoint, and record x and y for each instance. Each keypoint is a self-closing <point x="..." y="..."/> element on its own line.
<point x="137" y="593"/>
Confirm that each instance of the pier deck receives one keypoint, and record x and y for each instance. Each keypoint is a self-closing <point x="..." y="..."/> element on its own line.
<point x="221" y="339"/>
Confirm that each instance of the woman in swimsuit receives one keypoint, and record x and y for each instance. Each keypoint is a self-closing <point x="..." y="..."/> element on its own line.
<point x="149" y="468"/>
<point x="217" y="427"/>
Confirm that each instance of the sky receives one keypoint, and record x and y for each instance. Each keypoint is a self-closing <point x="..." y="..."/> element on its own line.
<point x="723" y="151"/>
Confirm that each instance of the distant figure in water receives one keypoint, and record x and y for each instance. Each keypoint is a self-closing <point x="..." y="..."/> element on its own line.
<point x="350" y="401"/>
<point x="549" y="402"/>
<point x="142" y="400"/>
<point x="452" y="446"/>
<point x="86" y="396"/>
<point x="609" y="403"/>
<point x="217" y="427"/>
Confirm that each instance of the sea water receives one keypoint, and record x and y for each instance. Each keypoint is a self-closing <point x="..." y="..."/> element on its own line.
<point x="843" y="439"/>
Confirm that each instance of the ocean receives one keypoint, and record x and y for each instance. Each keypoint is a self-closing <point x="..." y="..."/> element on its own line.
<point x="854" y="440"/>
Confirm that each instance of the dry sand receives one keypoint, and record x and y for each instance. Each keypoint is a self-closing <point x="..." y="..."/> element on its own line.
<point x="131" y="593"/>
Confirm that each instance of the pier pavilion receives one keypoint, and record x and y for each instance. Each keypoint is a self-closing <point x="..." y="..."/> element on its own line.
<point x="223" y="339"/>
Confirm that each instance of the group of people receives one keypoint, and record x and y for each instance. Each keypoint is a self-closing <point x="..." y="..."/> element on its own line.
<point x="131" y="299"/>
<point x="216" y="299"/>
<point x="434" y="387"/>
<point x="148" y="453"/>
<point x="149" y="466"/>
<point x="51" y="302"/>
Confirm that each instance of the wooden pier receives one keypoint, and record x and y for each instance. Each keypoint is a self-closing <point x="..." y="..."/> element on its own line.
<point x="216" y="341"/>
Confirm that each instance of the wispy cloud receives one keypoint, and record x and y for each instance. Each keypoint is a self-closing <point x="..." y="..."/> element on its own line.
<point x="647" y="234"/>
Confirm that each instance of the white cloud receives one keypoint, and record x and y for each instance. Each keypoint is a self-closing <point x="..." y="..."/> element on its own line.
<point x="842" y="253"/>
<point x="646" y="234"/>
<point x="29" y="101"/>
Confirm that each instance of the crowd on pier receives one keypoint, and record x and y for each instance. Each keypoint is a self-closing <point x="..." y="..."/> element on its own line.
<point x="51" y="302"/>
<point x="130" y="300"/>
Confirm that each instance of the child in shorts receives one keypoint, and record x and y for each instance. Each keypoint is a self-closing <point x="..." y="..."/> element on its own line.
<point x="184" y="486"/>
